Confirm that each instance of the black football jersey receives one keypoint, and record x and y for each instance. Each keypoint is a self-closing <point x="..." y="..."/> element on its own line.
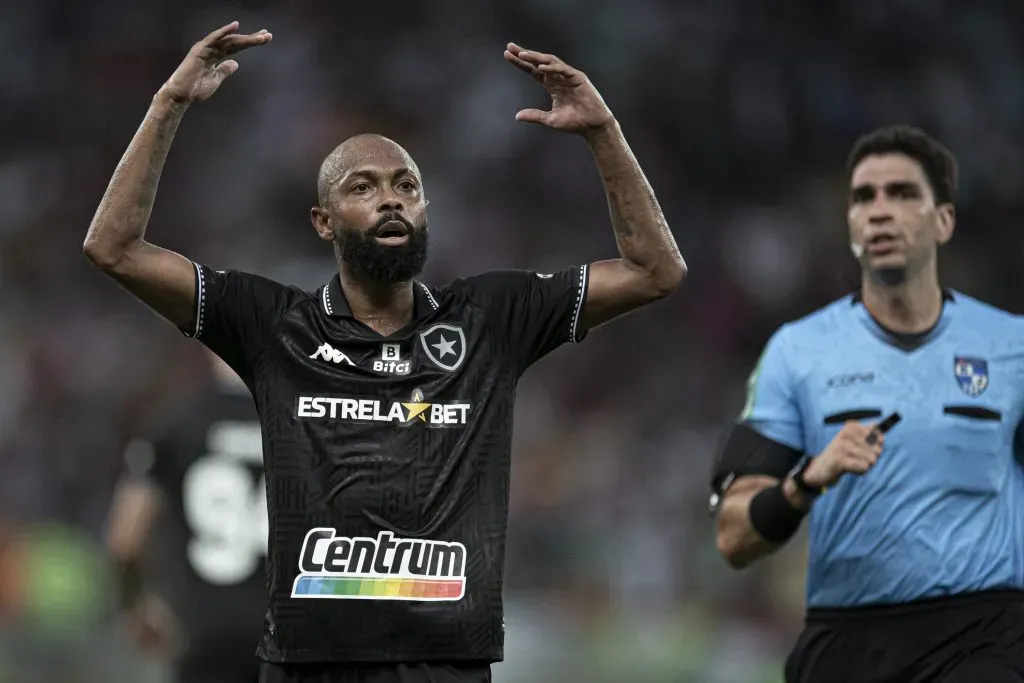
<point x="387" y="457"/>
<point x="207" y="553"/>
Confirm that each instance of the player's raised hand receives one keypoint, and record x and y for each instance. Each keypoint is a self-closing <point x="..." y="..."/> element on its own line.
<point x="576" y="105"/>
<point x="207" y="65"/>
<point x="855" y="449"/>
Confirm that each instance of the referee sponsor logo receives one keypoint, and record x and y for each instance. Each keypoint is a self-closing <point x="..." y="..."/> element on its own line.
<point x="450" y="414"/>
<point x="383" y="568"/>
<point x="971" y="375"/>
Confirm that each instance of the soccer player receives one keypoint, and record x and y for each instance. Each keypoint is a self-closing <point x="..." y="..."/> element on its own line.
<point x="385" y="404"/>
<point x="188" y="528"/>
<point x="916" y="564"/>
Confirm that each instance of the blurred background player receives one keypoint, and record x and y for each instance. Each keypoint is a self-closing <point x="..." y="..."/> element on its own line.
<point x="916" y="537"/>
<point x="188" y="530"/>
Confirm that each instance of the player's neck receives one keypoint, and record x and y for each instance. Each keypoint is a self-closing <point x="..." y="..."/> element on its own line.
<point x="385" y="307"/>
<point x="913" y="305"/>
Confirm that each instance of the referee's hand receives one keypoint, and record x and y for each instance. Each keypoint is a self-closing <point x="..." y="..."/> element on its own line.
<point x="855" y="449"/>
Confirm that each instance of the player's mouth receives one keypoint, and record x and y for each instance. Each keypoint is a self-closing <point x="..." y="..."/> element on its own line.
<point x="393" y="234"/>
<point x="882" y="245"/>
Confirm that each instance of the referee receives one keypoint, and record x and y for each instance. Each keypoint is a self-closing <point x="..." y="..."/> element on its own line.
<point x="385" y="404"/>
<point x="892" y="418"/>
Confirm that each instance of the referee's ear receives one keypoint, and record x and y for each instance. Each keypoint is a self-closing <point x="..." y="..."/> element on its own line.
<point x="946" y="222"/>
<point x="321" y="222"/>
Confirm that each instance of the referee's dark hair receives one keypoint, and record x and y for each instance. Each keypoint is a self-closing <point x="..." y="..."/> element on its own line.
<point x="939" y="164"/>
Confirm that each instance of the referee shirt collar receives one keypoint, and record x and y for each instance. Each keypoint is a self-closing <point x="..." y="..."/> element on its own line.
<point x="333" y="302"/>
<point x="858" y="297"/>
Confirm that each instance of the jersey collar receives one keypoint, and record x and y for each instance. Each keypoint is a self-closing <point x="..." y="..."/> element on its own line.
<point x="876" y="329"/>
<point x="333" y="302"/>
<point x="947" y="296"/>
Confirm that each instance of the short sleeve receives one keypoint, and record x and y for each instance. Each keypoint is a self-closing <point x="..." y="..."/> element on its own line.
<point x="772" y="409"/>
<point x="234" y="313"/>
<point x="535" y="312"/>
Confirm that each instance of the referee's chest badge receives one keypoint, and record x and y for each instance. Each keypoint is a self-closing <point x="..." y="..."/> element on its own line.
<point x="444" y="345"/>
<point x="971" y="375"/>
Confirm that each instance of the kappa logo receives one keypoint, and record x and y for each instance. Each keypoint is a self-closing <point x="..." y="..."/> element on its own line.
<point x="383" y="568"/>
<point x="971" y="375"/>
<point x="329" y="353"/>
<point x="445" y="346"/>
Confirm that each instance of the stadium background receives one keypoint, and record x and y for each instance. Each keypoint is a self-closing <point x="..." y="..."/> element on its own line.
<point x="741" y="117"/>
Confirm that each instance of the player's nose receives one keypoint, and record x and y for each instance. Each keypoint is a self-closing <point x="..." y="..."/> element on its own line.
<point x="390" y="204"/>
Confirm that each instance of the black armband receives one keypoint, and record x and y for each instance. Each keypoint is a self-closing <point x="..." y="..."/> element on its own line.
<point x="772" y="515"/>
<point x="748" y="452"/>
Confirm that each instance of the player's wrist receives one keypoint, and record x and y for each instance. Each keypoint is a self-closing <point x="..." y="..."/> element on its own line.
<point x="166" y="103"/>
<point x="604" y="132"/>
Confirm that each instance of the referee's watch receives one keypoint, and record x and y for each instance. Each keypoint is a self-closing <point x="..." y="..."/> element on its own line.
<point x="797" y="474"/>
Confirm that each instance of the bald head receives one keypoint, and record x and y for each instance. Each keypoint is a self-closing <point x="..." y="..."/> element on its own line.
<point x="358" y="151"/>
<point x="371" y="206"/>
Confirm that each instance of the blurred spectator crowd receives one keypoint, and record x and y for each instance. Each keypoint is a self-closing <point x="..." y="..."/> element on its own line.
<point x="740" y="112"/>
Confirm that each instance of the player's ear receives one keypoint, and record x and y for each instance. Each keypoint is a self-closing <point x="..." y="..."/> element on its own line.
<point x="946" y="222"/>
<point x="321" y="222"/>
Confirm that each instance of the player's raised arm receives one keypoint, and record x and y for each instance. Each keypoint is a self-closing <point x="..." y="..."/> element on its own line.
<point x="163" y="280"/>
<point x="650" y="266"/>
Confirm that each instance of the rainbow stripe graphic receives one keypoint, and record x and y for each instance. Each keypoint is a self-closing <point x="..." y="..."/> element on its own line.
<point x="381" y="568"/>
<point x="378" y="588"/>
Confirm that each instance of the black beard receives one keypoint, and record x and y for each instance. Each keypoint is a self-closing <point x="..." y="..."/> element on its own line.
<point x="368" y="260"/>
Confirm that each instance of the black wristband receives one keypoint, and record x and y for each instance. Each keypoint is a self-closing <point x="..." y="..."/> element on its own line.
<point x="772" y="515"/>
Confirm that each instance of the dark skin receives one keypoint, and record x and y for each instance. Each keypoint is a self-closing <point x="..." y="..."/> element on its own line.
<point x="649" y="267"/>
<point x="364" y="178"/>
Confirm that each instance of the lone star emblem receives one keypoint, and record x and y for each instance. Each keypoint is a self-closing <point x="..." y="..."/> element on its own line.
<point x="444" y="345"/>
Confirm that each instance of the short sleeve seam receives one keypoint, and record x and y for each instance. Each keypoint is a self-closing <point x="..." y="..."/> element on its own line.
<point x="581" y="291"/>
<point x="200" y="301"/>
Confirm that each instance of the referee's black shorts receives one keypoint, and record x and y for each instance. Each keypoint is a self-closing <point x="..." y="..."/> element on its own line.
<point x="973" y="638"/>
<point x="375" y="673"/>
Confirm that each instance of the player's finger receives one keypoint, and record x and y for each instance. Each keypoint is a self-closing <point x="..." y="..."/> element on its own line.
<point x="521" y="65"/>
<point x="558" y="68"/>
<point x="537" y="58"/>
<point x="225" y="69"/>
<point x="220" y="33"/>
<point x="533" y="116"/>
<point x="237" y="43"/>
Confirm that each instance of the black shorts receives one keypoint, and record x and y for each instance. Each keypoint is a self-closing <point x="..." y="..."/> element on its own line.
<point x="974" y="638"/>
<point x="375" y="673"/>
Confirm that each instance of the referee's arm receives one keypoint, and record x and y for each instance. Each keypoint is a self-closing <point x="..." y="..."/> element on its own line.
<point x="756" y="503"/>
<point x="759" y="512"/>
<point x="736" y="538"/>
